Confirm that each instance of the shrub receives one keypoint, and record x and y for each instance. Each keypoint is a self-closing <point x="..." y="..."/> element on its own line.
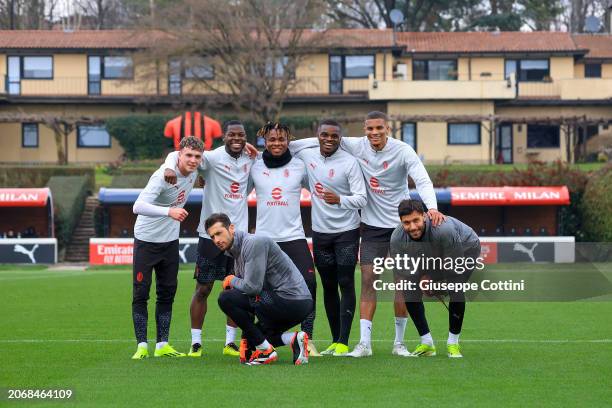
<point x="597" y="206"/>
<point x="69" y="193"/>
<point x="38" y="176"/>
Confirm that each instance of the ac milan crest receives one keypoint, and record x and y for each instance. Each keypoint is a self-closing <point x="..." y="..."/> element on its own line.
<point x="331" y="173"/>
<point x="385" y="165"/>
<point x="374" y="182"/>
<point x="277" y="193"/>
<point x="286" y="173"/>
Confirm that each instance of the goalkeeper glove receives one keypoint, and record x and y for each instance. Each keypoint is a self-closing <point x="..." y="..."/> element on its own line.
<point x="227" y="282"/>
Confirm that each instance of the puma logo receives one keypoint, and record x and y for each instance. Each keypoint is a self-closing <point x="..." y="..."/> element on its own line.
<point x="22" y="250"/>
<point x="522" y="248"/>
<point x="183" y="252"/>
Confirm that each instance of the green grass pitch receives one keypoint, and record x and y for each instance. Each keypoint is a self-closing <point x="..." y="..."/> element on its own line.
<point x="72" y="329"/>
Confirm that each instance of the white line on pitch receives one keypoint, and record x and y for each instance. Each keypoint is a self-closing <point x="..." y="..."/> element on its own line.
<point x="555" y="341"/>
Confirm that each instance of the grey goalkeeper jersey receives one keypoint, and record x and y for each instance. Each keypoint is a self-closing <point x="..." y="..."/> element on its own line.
<point x="386" y="176"/>
<point x="452" y="239"/>
<point x="159" y="193"/>
<point x="341" y="174"/>
<point x="278" y="199"/>
<point x="226" y="186"/>
<point x="261" y="266"/>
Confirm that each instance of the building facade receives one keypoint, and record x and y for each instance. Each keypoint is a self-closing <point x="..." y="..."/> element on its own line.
<point x="505" y="97"/>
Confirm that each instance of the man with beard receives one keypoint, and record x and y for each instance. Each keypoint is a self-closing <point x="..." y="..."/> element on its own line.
<point x="226" y="171"/>
<point x="386" y="164"/>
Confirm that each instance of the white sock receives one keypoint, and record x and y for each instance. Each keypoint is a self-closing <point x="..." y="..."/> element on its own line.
<point x="160" y="344"/>
<point x="230" y="334"/>
<point x="143" y="344"/>
<point x="427" y="339"/>
<point x="264" y="346"/>
<point x="365" y="331"/>
<point x="453" y="338"/>
<point x="400" y="328"/>
<point x="287" y="336"/>
<point x="196" y="336"/>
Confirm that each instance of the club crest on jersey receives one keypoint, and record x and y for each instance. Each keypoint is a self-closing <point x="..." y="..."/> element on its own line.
<point x="286" y="173"/>
<point x="245" y="168"/>
<point x="313" y="166"/>
<point x="266" y="173"/>
<point x="366" y="161"/>
<point x="227" y="167"/>
<point x="385" y="165"/>
<point x="179" y="200"/>
<point x="234" y="189"/>
<point x="277" y="195"/>
<point x="331" y="173"/>
<point x="375" y="186"/>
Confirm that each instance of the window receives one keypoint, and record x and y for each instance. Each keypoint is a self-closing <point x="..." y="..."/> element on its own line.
<point x="118" y="68"/>
<point x="463" y="134"/>
<point x="358" y="66"/>
<point x="528" y="70"/>
<point x="37" y="67"/>
<point x="409" y="134"/>
<point x="14" y="75"/>
<point x="592" y="70"/>
<point x="29" y="135"/>
<point x="434" y="70"/>
<point x="174" y="77"/>
<point x="94" y="75"/>
<point x="198" y="68"/>
<point x="93" y="136"/>
<point x="542" y="136"/>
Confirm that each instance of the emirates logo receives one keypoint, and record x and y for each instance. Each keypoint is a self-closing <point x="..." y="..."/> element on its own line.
<point x="277" y="193"/>
<point x="319" y="188"/>
<point x="234" y="187"/>
<point x="374" y="182"/>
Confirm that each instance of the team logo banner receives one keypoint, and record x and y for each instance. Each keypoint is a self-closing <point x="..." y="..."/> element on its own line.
<point x="28" y="251"/>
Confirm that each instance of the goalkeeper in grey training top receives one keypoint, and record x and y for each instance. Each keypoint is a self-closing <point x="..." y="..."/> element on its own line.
<point x="452" y="240"/>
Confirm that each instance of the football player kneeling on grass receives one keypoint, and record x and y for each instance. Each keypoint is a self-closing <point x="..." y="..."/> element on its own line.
<point x="266" y="285"/>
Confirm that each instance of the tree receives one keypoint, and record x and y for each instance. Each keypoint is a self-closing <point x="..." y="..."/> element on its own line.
<point x="27" y="14"/>
<point x="420" y="15"/>
<point x="252" y="46"/>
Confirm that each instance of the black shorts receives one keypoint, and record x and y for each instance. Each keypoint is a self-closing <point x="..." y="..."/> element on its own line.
<point x="161" y="256"/>
<point x="300" y="255"/>
<point x="335" y="249"/>
<point x="212" y="264"/>
<point x="375" y="242"/>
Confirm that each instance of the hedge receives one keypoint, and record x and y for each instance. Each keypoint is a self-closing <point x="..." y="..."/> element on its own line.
<point x="597" y="206"/>
<point x="39" y="176"/>
<point x="69" y="193"/>
<point x="142" y="136"/>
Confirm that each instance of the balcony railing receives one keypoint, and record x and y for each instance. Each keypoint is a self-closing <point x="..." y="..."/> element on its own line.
<point x="82" y="86"/>
<point x="450" y="89"/>
<point x="314" y="86"/>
